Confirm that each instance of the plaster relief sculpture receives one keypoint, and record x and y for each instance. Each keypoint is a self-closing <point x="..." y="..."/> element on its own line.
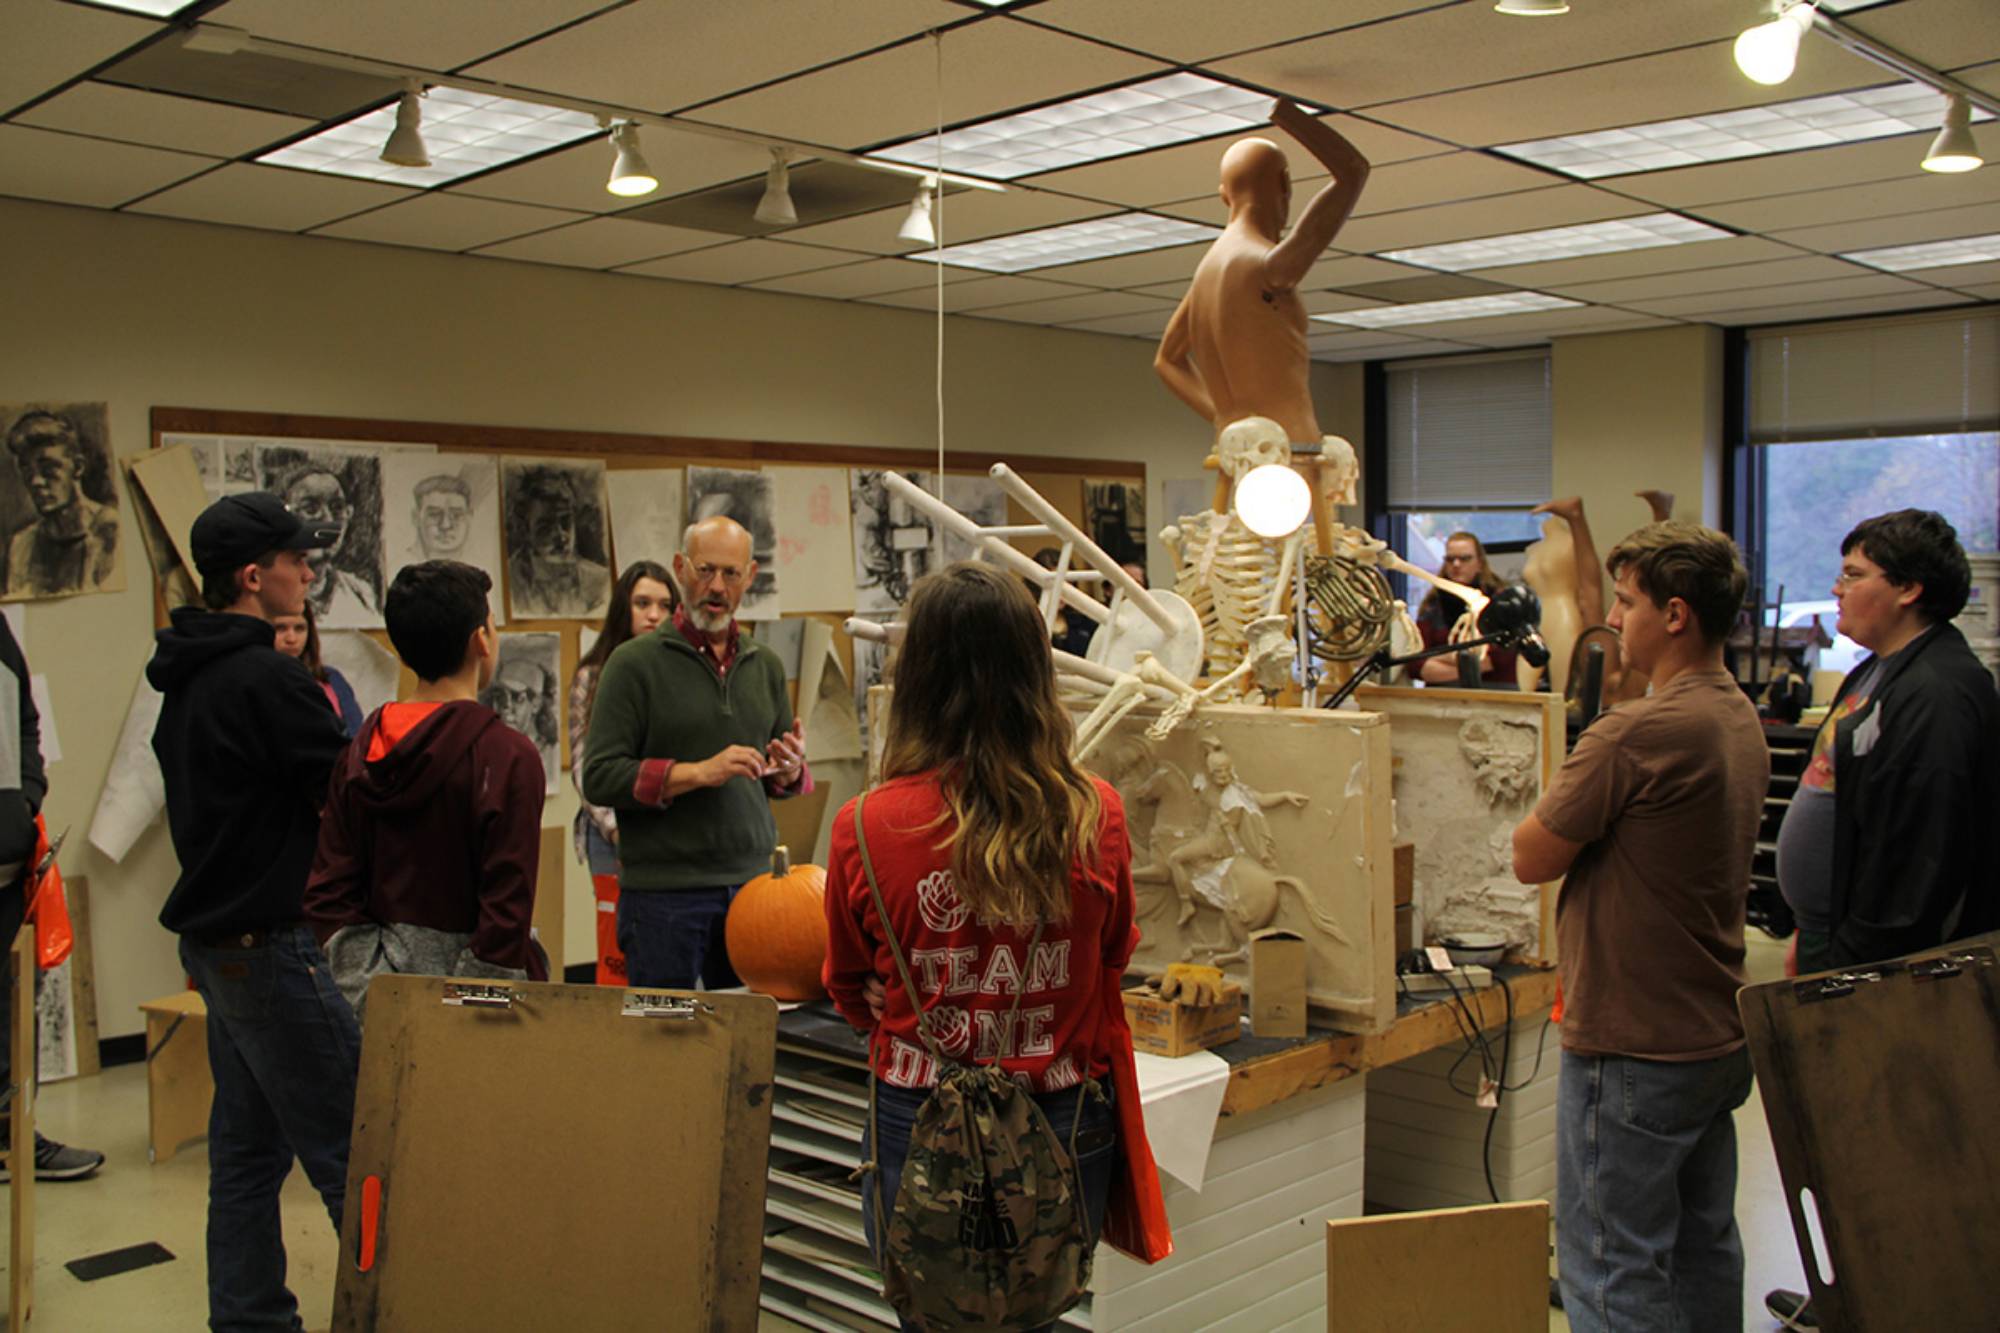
<point x="1505" y="758"/>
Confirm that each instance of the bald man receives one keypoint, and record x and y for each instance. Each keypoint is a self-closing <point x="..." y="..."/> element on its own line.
<point x="691" y="734"/>
<point x="1236" y="347"/>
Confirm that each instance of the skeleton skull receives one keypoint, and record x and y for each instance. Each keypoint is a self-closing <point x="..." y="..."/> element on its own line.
<point x="1251" y="443"/>
<point x="1338" y="471"/>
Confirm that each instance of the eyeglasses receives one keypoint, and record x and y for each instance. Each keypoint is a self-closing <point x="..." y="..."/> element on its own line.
<point x="1847" y="578"/>
<point x="729" y="574"/>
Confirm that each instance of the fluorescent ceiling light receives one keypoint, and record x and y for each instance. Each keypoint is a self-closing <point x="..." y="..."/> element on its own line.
<point x="1811" y="122"/>
<point x="1441" y="312"/>
<point x="1532" y="247"/>
<point x="159" y="9"/>
<point x="1073" y="243"/>
<point x="1174" y="109"/>
<point x="1930" y="254"/>
<point x="464" y="132"/>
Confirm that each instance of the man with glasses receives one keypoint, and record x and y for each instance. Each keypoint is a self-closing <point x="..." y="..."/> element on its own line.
<point x="1886" y="847"/>
<point x="692" y="731"/>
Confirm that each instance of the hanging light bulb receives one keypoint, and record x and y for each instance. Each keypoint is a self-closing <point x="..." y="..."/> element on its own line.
<point x="406" y="142"/>
<point x="917" y="225"/>
<point x="1532" y="9"/>
<point x="1273" y="500"/>
<point x="776" y="207"/>
<point x="1768" y="52"/>
<point x="1953" y="149"/>
<point x="630" y="176"/>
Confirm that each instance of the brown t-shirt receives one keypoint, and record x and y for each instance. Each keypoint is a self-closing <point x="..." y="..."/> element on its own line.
<point x="1666" y="793"/>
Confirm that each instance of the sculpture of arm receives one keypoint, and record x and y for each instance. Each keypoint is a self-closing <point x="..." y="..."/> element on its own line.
<point x="1589" y="569"/>
<point x="1176" y="367"/>
<point x="1323" y="218"/>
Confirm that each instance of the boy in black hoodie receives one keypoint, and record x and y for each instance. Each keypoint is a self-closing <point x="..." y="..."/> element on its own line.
<point x="246" y="743"/>
<point x="432" y="835"/>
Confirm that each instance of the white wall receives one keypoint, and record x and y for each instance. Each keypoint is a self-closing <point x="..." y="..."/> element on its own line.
<point x="144" y="312"/>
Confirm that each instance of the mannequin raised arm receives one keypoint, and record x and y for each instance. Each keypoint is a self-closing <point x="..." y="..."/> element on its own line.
<point x="1327" y="213"/>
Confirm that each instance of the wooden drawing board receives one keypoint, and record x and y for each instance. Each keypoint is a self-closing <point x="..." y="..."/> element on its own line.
<point x="21" y="1130"/>
<point x="556" y="1157"/>
<point x="1485" y="1268"/>
<point x="1879" y="1085"/>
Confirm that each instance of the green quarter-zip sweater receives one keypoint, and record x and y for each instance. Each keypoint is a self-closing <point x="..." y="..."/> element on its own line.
<point x="660" y="697"/>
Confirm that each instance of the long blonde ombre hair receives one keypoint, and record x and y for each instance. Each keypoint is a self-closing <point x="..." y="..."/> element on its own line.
<point x="976" y="703"/>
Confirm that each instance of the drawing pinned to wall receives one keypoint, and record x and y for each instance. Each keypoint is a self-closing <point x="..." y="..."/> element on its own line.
<point x="1115" y="517"/>
<point x="747" y="497"/>
<point x="228" y="464"/>
<point x="443" y="507"/>
<point x="134" y="792"/>
<point x="558" y="558"/>
<point x="892" y="542"/>
<point x="371" y="670"/>
<point x="58" y="503"/>
<point x="815" y="548"/>
<point x="526" y="693"/>
<point x="648" y="512"/>
<point x="341" y="489"/>
<point x="980" y="499"/>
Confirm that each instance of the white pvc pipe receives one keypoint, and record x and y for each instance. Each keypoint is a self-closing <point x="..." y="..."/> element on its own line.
<point x="971" y="533"/>
<point x="1031" y="500"/>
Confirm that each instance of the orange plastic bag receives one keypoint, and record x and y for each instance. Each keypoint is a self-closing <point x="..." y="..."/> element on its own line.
<point x="48" y="905"/>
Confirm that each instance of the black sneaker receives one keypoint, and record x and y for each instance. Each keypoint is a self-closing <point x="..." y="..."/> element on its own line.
<point x="56" y="1161"/>
<point x="1790" y="1309"/>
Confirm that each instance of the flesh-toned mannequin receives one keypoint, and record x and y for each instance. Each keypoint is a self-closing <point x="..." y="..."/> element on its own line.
<point x="1551" y="572"/>
<point x="1620" y="683"/>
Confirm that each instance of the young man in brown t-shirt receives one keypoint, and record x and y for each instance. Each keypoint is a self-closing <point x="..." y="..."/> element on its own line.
<point x="1653" y="819"/>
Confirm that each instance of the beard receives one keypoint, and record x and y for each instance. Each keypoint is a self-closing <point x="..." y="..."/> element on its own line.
<point x="710" y="621"/>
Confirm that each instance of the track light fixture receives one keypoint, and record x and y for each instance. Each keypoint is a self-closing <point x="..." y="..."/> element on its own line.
<point x="1954" y="150"/>
<point x="630" y="176"/>
<point x="775" y="208"/>
<point x="406" y="142"/>
<point x="1768" y="52"/>
<point x="917" y="225"/>
<point x="1532" y="9"/>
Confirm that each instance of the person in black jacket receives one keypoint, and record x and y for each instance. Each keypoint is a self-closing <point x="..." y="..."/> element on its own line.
<point x="22" y="786"/>
<point x="246" y="744"/>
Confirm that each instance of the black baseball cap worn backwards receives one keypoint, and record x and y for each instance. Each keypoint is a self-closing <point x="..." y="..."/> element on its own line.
<point x="238" y="530"/>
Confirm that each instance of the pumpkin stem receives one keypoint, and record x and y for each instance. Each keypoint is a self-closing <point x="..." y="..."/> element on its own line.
<point x="781" y="862"/>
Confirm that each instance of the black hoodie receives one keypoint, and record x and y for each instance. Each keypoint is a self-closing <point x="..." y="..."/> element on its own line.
<point x="246" y="742"/>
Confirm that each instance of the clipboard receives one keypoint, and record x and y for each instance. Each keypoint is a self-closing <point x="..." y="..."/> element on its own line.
<point x="1880" y="1084"/>
<point x="535" y="1156"/>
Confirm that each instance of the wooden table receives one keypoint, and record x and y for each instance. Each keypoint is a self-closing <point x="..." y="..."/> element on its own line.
<point x="179" y="1086"/>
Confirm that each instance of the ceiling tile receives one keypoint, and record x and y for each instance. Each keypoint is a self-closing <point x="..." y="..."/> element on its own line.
<point x="1986" y="292"/>
<point x="1534" y="338"/>
<point x="602" y="243"/>
<point x="963" y="292"/>
<point x="1526" y="210"/>
<point x="1733" y="277"/>
<point x="446" y="222"/>
<point x="243" y="194"/>
<point x="1637" y="263"/>
<point x="1352" y="340"/>
<point x="1191" y="31"/>
<point x="1944" y="34"/>
<point x="1684" y="82"/>
<point x="870" y="277"/>
<point x="574" y="178"/>
<point x="69" y="169"/>
<point x="1962" y="276"/>
<point x="1795" y="293"/>
<point x="988" y="68"/>
<point x="161" y="121"/>
<point x="1329" y="303"/>
<point x="1069" y="309"/>
<point x="1176" y="264"/>
<point x="1915" y="191"/>
<point x="430" y="36"/>
<point x="65" y="40"/>
<point x="251" y="78"/>
<point x="1939" y="225"/>
<point x="965" y="215"/>
<point x="1356" y="270"/>
<point x="1148" y="324"/>
<point x="1986" y="77"/>
<point x="663" y="55"/>
<point x="1417" y="183"/>
<point x="1546" y="323"/>
<point x="1814" y="310"/>
<point x="1780" y="173"/>
<point x="742" y="261"/>
<point x="1407" y="347"/>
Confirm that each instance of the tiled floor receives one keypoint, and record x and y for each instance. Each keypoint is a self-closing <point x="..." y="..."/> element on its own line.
<point x="130" y="1202"/>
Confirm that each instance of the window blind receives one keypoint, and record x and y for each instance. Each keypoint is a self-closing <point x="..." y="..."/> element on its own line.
<point x="1468" y="432"/>
<point x="1913" y="375"/>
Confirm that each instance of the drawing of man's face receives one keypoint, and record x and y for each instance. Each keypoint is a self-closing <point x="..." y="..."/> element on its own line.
<point x="444" y="521"/>
<point x="50" y="473"/>
<point x="552" y="524"/>
<point x="318" y="498"/>
<point x="517" y="696"/>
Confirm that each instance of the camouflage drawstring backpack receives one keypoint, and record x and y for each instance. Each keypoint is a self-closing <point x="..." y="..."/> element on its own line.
<point x="988" y="1230"/>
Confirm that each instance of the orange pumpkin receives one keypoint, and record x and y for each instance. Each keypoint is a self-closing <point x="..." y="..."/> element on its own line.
<point x="776" y="930"/>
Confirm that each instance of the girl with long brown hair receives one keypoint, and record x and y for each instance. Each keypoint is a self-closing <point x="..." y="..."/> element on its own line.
<point x="642" y="600"/>
<point x="1005" y="875"/>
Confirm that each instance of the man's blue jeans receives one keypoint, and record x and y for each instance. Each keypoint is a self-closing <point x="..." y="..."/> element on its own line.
<point x="285" y="1052"/>
<point x="673" y="937"/>
<point x="1646" y="1194"/>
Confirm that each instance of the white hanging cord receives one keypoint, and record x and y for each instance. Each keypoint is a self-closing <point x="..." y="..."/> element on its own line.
<point x="937" y="258"/>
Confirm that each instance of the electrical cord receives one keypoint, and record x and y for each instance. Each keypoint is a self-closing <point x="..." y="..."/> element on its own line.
<point x="1478" y="1044"/>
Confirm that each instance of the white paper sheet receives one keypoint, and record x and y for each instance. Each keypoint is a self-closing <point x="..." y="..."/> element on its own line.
<point x="1181" y="1099"/>
<point x="134" y="792"/>
<point x="826" y="700"/>
<point x="371" y="669"/>
<point x="815" y="549"/>
<point x="648" y="512"/>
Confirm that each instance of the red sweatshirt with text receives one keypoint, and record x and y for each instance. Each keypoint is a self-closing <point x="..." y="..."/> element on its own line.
<point x="968" y="973"/>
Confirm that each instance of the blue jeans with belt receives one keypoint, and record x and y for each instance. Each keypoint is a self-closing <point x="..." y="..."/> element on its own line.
<point x="673" y="937"/>
<point x="896" y="1115"/>
<point x="1646" y="1233"/>
<point x="285" y="1051"/>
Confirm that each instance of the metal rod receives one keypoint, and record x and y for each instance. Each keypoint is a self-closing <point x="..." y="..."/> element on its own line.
<point x="1889" y="58"/>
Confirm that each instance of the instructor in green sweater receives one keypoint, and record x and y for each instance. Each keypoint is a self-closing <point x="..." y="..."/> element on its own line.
<point x="691" y="732"/>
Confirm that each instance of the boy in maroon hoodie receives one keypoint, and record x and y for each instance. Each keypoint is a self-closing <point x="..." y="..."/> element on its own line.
<point x="432" y="833"/>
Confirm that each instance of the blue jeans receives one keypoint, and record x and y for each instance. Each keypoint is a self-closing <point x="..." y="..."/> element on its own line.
<point x="896" y="1115"/>
<point x="285" y="1052"/>
<point x="1646" y="1193"/>
<point x="672" y="937"/>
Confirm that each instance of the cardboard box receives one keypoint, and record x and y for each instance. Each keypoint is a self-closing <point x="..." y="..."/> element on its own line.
<point x="1277" y="983"/>
<point x="1166" y="1027"/>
